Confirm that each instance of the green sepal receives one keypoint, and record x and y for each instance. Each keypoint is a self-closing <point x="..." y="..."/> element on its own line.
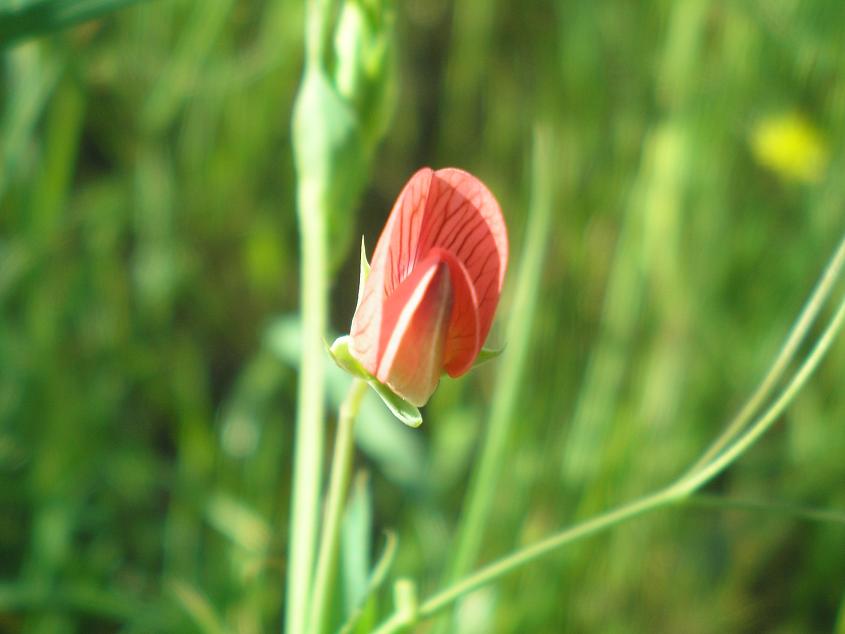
<point x="345" y="361"/>
<point x="487" y="354"/>
<point x="399" y="407"/>
<point x="364" y="274"/>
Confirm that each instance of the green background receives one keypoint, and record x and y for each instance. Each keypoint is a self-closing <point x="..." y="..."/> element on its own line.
<point x="149" y="292"/>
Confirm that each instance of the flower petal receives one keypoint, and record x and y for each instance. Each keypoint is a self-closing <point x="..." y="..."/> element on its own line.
<point x="415" y="324"/>
<point x="398" y="243"/>
<point x="450" y="211"/>
<point x="463" y="340"/>
<point x="463" y="217"/>
<point x="393" y="259"/>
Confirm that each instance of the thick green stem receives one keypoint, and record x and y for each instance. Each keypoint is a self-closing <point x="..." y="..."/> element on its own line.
<point x="312" y="209"/>
<point x="344" y="450"/>
<point x="319" y="21"/>
<point x="308" y="450"/>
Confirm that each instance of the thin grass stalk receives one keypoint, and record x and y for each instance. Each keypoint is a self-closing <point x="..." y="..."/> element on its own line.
<point x="678" y="491"/>
<point x="787" y="352"/>
<point x="695" y="480"/>
<point x="483" y="486"/>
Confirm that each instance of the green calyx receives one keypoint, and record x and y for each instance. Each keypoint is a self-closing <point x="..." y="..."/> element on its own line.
<point x="399" y="407"/>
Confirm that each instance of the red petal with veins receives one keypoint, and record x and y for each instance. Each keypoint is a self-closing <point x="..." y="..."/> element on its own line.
<point x="444" y="245"/>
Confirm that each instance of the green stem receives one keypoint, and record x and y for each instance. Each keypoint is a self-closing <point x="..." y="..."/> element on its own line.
<point x="796" y="335"/>
<point x="531" y="553"/>
<point x="543" y="547"/>
<point x="308" y="450"/>
<point x="678" y="491"/>
<point x="485" y="478"/>
<point x="319" y="20"/>
<point x="695" y="480"/>
<point x="344" y="450"/>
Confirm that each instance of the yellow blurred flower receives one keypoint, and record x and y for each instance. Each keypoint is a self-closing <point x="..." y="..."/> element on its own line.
<point x="790" y="146"/>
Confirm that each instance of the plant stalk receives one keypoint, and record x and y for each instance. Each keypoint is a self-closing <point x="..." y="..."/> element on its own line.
<point x="344" y="451"/>
<point x="313" y="212"/>
<point x="485" y="477"/>
<point x="680" y="490"/>
<point x="796" y="335"/>
<point x="308" y="450"/>
<point x="695" y="480"/>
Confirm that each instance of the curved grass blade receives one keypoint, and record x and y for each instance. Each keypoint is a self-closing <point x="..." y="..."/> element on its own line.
<point x="377" y="578"/>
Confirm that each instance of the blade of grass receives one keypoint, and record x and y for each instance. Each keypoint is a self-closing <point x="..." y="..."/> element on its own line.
<point x="198" y="607"/>
<point x="31" y="77"/>
<point x="483" y="486"/>
<point x="20" y="596"/>
<point x="59" y="507"/>
<point x="377" y="577"/>
<point x="179" y="78"/>
<point x="795" y="511"/>
<point x="47" y="16"/>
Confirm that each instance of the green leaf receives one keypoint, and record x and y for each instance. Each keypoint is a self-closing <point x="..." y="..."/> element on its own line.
<point x="31" y="19"/>
<point x="401" y="409"/>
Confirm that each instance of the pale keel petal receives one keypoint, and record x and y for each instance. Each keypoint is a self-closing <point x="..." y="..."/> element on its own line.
<point x="413" y="358"/>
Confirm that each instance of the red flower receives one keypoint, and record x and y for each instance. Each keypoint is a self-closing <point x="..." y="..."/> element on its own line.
<point x="435" y="280"/>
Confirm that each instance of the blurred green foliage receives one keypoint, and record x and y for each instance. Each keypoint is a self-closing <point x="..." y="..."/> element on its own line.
<point x="148" y="333"/>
